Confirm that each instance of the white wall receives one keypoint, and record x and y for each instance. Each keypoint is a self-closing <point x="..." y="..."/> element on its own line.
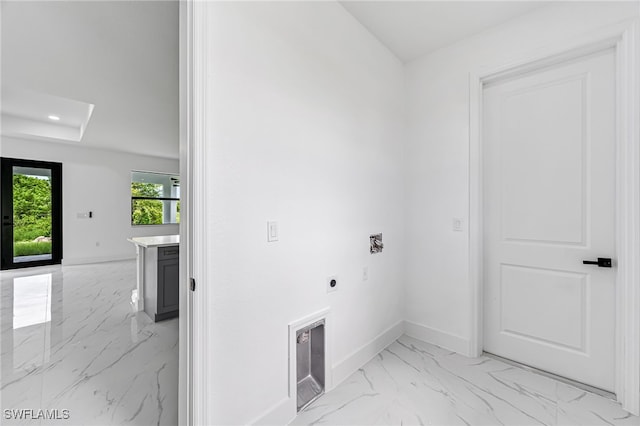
<point x="437" y="156"/>
<point x="306" y="129"/>
<point x="99" y="181"/>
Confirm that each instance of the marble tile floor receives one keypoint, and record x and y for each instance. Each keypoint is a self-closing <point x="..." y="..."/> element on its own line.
<point x="415" y="383"/>
<point x="70" y="340"/>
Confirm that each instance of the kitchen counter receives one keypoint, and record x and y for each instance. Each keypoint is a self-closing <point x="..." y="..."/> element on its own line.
<point x="155" y="241"/>
<point x="158" y="275"/>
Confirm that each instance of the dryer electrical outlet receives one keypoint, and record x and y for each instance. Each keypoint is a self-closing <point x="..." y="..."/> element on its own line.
<point x="332" y="284"/>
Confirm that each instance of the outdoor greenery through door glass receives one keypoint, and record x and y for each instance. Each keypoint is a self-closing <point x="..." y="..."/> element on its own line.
<point x="31" y="214"/>
<point x="155" y="198"/>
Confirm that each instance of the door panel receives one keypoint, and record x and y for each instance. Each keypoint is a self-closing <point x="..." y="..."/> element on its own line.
<point x="549" y="204"/>
<point x="524" y="295"/>
<point x="168" y="285"/>
<point x="543" y="162"/>
<point x="31" y="210"/>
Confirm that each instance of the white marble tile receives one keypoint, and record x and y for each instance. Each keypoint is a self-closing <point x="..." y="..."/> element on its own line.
<point x="415" y="383"/>
<point x="91" y="353"/>
<point x="578" y="407"/>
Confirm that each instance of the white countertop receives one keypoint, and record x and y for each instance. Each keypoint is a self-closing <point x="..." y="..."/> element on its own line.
<point x="155" y="241"/>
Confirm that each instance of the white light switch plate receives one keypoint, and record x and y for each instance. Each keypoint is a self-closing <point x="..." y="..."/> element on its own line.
<point x="458" y="224"/>
<point x="272" y="231"/>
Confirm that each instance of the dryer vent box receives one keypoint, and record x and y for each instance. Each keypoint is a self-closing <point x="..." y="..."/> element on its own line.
<point x="310" y="353"/>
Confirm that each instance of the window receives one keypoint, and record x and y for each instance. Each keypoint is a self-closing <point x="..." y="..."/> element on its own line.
<point x="155" y="198"/>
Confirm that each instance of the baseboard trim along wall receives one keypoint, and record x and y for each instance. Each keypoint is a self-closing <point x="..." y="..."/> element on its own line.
<point x="87" y="260"/>
<point x="281" y="413"/>
<point x="437" y="337"/>
<point x="356" y="359"/>
<point x="284" y="411"/>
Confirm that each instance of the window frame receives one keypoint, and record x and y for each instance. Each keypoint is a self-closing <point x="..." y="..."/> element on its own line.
<point x="135" y="198"/>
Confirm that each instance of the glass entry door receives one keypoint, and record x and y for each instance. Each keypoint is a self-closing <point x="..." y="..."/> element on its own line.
<point x="31" y="211"/>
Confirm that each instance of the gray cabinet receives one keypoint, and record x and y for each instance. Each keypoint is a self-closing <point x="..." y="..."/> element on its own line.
<point x="161" y="298"/>
<point x="168" y="279"/>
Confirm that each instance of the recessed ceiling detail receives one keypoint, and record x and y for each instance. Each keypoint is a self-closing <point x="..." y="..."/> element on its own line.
<point x="121" y="56"/>
<point x="27" y="113"/>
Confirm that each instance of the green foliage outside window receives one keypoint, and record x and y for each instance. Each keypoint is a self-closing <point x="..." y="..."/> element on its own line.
<point x="148" y="211"/>
<point x="31" y="207"/>
<point x="142" y="189"/>
<point x="31" y="215"/>
<point x="30" y="248"/>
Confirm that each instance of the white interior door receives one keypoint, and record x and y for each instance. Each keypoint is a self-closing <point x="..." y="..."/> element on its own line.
<point x="549" y="204"/>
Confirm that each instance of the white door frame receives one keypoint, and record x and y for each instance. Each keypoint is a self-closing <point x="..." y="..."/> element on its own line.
<point x="196" y="346"/>
<point x="624" y="38"/>
<point x="184" y="319"/>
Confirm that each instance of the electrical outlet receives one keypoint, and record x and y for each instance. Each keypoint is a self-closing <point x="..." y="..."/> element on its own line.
<point x="332" y="284"/>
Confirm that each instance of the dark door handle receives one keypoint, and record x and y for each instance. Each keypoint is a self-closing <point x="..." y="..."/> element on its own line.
<point x="602" y="262"/>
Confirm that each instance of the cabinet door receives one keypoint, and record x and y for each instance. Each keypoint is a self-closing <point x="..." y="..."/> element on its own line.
<point x="168" y="283"/>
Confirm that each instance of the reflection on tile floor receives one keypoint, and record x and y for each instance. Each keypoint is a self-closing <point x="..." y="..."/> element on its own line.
<point x="415" y="383"/>
<point x="71" y="341"/>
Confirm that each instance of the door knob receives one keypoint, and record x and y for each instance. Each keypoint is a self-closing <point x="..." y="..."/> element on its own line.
<point x="602" y="262"/>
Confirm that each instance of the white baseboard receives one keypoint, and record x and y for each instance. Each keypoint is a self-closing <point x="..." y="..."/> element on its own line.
<point x="87" y="260"/>
<point x="285" y="411"/>
<point x="437" y="337"/>
<point x="280" y="414"/>
<point x="356" y="359"/>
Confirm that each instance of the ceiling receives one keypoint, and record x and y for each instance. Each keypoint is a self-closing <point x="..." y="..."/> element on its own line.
<point x="120" y="57"/>
<point x="118" y="60"/>
<point x="411" y="29"/>
<point x="26" y="113"/>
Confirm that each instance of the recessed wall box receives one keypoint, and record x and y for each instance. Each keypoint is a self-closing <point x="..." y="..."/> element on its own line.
<point x="310" y="353"/>
<point x="375" y="243"/>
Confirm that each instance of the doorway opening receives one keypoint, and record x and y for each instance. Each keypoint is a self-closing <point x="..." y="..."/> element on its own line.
<point x="621" y="37"/>
<point x="549" y="207"/>
<point x="31" y="210"/>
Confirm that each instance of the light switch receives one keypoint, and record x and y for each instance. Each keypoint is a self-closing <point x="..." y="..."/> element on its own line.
<point x="457" y="224"/>
<point x="272" y="231"/>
